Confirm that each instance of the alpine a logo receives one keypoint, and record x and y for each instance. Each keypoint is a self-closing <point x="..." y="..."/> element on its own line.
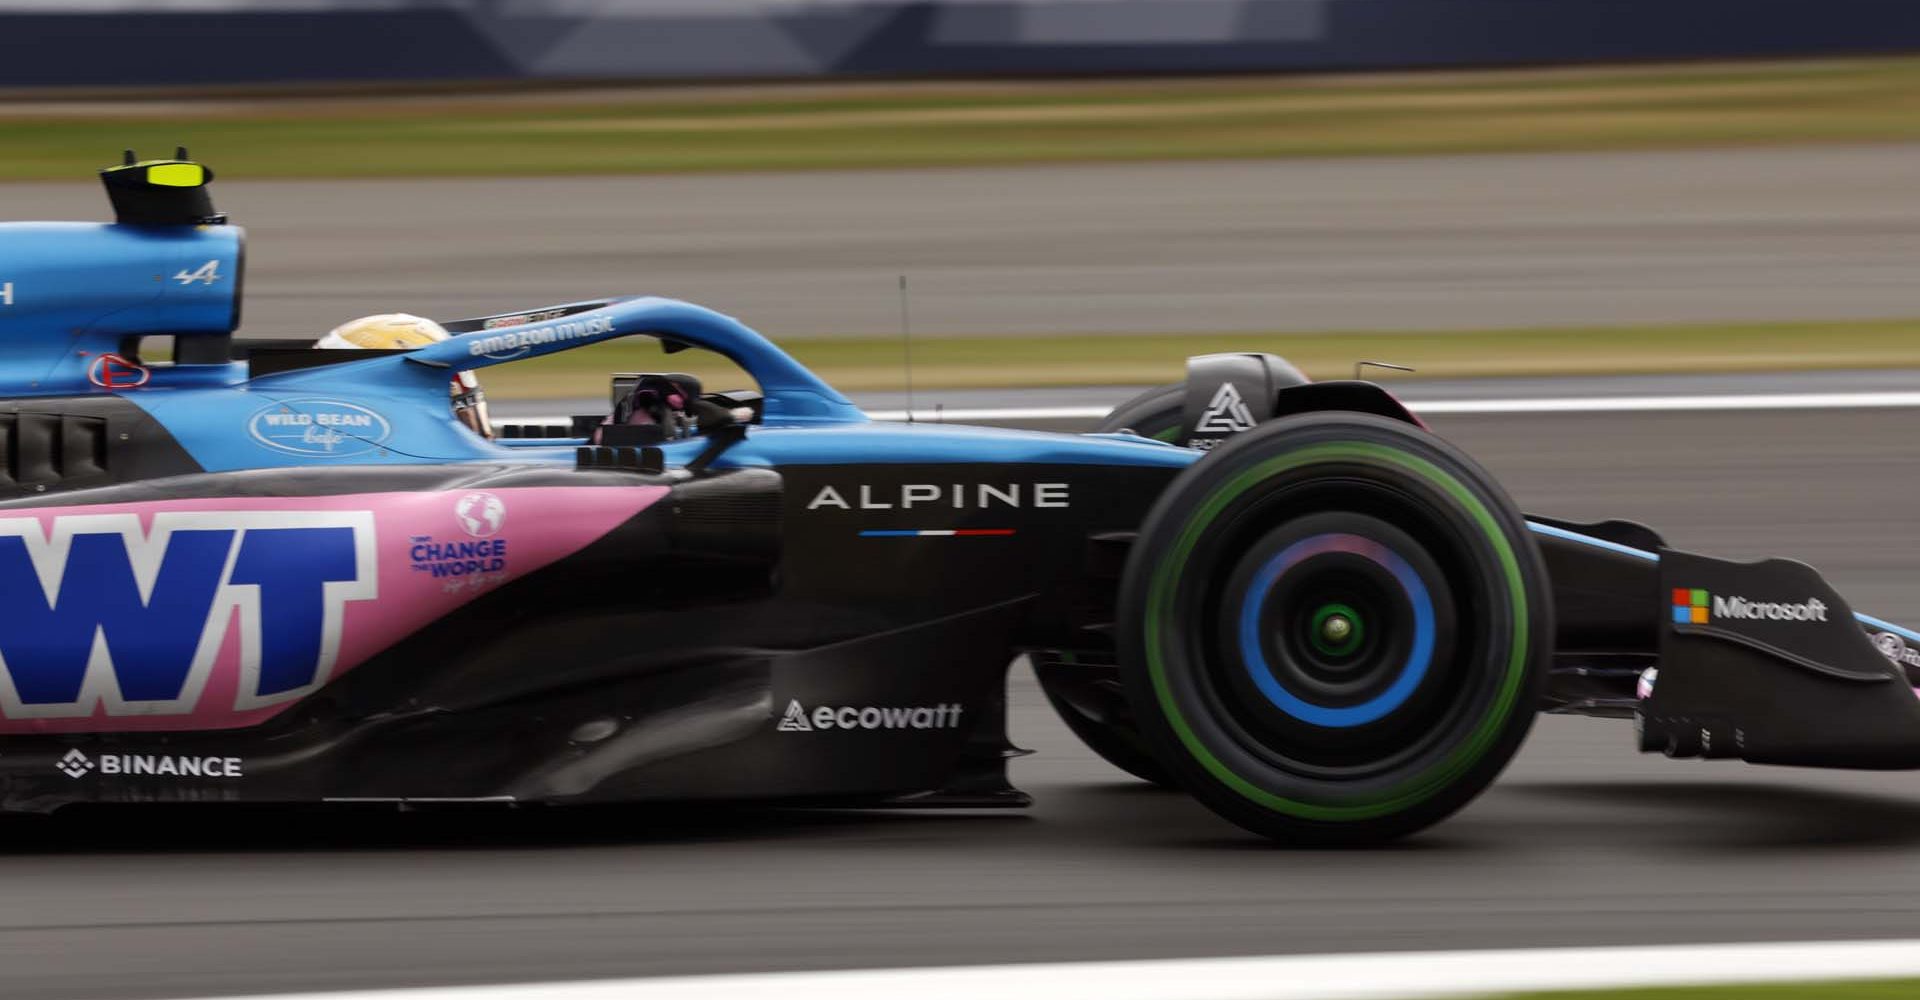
<point x="797" y="719"/>
<point x="78" y="765"/>
<point x="1695" y="606"/>
<point x="319" y="428"/>
<point x="105" y="614"/>
<point x="1226" y="413"/>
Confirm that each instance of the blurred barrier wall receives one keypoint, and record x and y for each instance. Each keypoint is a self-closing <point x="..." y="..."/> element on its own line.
<point x="202" y="42"/>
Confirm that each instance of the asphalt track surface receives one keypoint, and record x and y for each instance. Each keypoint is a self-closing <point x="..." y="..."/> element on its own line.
<point x="1391" y="243"/>
<point x="1583" y="842"/>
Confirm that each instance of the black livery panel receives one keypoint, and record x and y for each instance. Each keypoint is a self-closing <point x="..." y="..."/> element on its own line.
<point x="819" y="633"/>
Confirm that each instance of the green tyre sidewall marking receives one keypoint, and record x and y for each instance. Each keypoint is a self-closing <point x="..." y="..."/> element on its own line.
<point x="1415" y="789"/>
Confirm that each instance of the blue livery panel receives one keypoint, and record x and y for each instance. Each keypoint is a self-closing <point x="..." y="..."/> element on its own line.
<point x="70" y="292"/>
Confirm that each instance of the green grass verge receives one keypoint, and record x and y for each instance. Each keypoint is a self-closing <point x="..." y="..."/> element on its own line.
<point x="988" y="362"/>
<point x="885" y="125"/>
<point x="1889" y="989"/>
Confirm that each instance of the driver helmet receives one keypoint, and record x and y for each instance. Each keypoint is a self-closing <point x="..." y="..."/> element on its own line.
<point x="404" y="332"/>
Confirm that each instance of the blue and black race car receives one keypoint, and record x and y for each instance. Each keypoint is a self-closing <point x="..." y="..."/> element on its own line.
<point x="265" y="572"/>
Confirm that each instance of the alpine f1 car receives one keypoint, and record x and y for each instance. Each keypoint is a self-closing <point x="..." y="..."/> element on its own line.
<point x="263" y="572"/>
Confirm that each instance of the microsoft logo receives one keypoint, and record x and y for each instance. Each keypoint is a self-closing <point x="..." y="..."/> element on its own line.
<point x="1697" y="607"/>
<point x="1689" y="606"/>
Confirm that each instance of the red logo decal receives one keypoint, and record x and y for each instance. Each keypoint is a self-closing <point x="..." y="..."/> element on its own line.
<point x="111" y="371"/>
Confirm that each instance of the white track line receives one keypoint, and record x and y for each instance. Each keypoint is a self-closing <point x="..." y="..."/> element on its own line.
<point x="1628" y="404"/>
<point x="964" y="414"/>
<point x="1568" y="404"/>
<point x="1404" y="975"/>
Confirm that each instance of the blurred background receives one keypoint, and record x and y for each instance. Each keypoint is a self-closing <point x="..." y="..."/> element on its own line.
<point x="1708" y="202"/>
<point x="1080" y="191"/>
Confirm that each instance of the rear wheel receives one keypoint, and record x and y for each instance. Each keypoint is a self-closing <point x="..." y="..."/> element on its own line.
<point x="1091" y="701"/>
<point x="1334" y="629"/>
<point x="1155" y="413"/>
<point x="1160" y="412"/>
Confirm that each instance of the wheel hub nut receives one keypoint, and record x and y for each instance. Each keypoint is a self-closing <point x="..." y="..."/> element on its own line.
<point x="1336" y="629"/>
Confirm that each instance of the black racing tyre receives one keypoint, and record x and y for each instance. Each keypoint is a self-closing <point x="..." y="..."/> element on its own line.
<point x="1085" y="707"/>
<point x="1334" y="629"/>
<point x="1092" y="703"/>
<point x="1155" y="413"/>
<point x="1159" y="412"/>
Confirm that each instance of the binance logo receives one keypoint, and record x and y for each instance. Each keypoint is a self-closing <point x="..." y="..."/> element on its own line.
<point x="1689" y="606"/>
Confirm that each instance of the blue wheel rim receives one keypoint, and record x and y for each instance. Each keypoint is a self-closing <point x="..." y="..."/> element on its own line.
<point x="1412" y="672"/>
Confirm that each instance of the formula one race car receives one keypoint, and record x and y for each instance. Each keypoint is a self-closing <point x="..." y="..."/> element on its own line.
<point x="264" y="572"/>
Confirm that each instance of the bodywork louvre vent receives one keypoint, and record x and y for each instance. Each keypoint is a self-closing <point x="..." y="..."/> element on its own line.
<point x="47" y="449"/>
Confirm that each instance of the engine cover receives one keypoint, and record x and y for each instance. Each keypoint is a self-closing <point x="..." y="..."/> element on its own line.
<point x="71" y="291"/>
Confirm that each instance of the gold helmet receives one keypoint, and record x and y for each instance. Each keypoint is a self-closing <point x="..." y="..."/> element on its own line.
<point x="385" y="332"/>
<point x="404" y="332"/>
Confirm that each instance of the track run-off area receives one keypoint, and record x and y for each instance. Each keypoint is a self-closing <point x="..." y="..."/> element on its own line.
<point x="1392" y="243"/>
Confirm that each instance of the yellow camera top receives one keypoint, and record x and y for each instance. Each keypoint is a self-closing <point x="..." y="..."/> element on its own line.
<point x="160" y="192"/>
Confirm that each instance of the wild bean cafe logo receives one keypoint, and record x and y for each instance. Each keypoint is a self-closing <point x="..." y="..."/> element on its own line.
<point x="319" y="428"/>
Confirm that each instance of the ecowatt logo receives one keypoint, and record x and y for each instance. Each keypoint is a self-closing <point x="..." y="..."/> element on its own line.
<point x="1694" y="606"/>
<point x="798" y="720"/>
